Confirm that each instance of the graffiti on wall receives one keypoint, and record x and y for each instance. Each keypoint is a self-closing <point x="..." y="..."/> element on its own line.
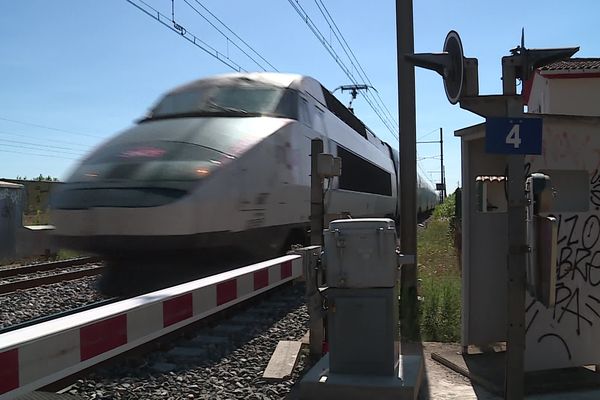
<point x="577" y="307"/>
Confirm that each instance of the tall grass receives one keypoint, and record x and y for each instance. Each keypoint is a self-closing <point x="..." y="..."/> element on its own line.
<point x="439" y="274"/>
<point x="440" y="308"/>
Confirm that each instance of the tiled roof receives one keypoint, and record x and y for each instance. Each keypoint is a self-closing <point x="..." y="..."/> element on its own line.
<point x="578" y="64"/>
<point x="490" y="178"/>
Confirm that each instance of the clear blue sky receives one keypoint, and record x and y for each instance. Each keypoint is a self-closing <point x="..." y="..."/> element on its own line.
<point x="92" y="67"/>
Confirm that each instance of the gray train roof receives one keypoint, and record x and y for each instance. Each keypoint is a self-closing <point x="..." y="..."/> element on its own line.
<point x="295" y="81"/>
<point x="302" y="83"/>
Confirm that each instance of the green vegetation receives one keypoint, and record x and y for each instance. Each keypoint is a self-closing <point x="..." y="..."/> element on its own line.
<point x="439" y="272"/>
<point x="39" y="217"/>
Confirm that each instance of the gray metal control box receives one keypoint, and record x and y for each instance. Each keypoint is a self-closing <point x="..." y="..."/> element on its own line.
<point x="361" y="253"/>
<point x="363" y="331"/>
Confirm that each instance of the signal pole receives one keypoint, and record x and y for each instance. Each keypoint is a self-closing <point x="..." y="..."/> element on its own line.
<point x="409" y="329"/>
<point x="442" y="169"/>
<point x="441" y="187"/>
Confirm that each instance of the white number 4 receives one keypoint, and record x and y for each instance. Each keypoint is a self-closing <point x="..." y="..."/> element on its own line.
<point x="513" y="136"/>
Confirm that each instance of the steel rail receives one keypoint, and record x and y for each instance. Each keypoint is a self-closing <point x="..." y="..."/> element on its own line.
<point x="49" y="279"/>
<point x="47" y="266"/>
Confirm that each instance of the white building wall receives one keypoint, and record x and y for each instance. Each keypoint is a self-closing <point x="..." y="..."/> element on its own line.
<point x="567" y="334"/>
<point x="561" y="96"/>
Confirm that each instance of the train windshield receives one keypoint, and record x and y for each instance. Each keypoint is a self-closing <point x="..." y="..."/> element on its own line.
<point x="231" y="100"/>
<point x="156" y="161"/>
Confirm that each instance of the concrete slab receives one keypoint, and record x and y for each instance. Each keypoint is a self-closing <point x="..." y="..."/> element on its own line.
<point x="283" y="360"/>
<point x="443" y="383"/>
<point x="487" y="369"/>
<point x="306" y="338"/>
<point x="320" y="383"/>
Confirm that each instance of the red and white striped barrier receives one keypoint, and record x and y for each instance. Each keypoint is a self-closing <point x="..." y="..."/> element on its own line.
<point x="35" y="356"/>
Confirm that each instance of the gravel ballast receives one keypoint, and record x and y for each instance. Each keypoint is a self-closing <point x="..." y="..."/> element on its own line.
<point x="24" y="305"/>
<point x="220" y="362"/>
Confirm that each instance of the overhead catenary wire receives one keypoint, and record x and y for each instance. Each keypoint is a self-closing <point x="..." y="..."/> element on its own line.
<point x="39" y="149"/>
<point x="428" y="133"/>
<point x="312" y="26"/>
<point x="49" y="128"/>
<point x="222" y="33"/>
<point x="424" y="174"/>
<point x="186" y="34"/>
<point x="429" y="158"/>
<point x="47" y="146"/>
<point x="332" y="52"/>
<point x="360" y="70"/>
<point x="222" y="56"/>
<point x="30" y="136"/>
<point x="234" y="34"/>
<point x="36" y="154"/>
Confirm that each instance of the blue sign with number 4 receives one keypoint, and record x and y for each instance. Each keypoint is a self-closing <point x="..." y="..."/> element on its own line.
<point x="513" y="135"/>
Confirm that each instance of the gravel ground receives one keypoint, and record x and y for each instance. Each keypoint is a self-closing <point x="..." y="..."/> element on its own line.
<point x="222" y="362"/>
<point x="444" y="384"/>
<point x="23" y="305"/>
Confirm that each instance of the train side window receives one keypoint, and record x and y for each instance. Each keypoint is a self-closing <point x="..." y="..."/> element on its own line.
<point x="304" y="115"/>
<point x="318" y="122"/>
<point x="359" y="175"/>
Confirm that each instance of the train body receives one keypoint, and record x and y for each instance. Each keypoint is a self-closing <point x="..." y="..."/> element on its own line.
<point x="224" y="163"/>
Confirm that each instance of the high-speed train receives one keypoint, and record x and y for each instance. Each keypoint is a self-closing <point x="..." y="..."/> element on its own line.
<point x="224" y="163"/>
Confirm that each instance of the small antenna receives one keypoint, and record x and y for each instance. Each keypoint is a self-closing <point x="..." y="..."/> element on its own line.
<point x="353" y="92"/>
<point x="520" y="48"/>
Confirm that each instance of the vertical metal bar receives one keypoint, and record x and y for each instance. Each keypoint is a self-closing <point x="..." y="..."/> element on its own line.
<point x="514" y="382"/>
<point x="316" y="194"/>
<point x="442" y="171"/>
<point x="408" y="168"/>
<point x="465" y="259"/>
<point x="310" y="256"/>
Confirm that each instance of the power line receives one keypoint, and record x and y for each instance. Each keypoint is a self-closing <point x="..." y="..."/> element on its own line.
<point x="428" y="133"/>
<point x="429" y="158"/>
<point x="50" y="128"/>
<point x="325" y="13"/>
<point x="183" y="32"/>
<point x="78" y="153"/>
<point x="86" y="146"/>
<point x="36" y="154"/>
<point x="233" y="33"/>
<point x="226" y="37"/>
<point x="319" y="35"/>
<point x="39" y="149"/>
<point x="360" y="69"/>
<point x="425" y="174"/>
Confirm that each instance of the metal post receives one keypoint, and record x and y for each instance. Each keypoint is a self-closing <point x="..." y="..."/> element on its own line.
<point x="316" y="194"/>
<point x="514" y="382"/>
<point x="408" y="168"/>
<point x="442" y="171"/>
<point x="310" y="256"/>
<point x="517" y="252"/>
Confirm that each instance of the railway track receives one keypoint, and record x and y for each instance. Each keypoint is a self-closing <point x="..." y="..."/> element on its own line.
<point x="30" y="276"/>
<point x="61" y="347"/>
